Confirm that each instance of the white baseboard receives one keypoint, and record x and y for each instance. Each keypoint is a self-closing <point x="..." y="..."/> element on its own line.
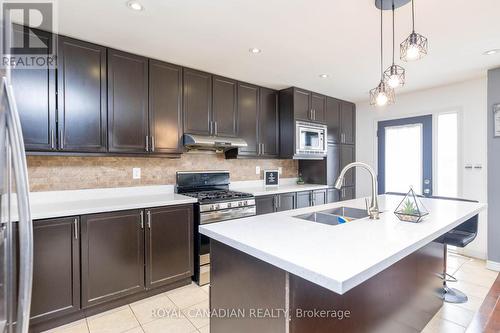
<point x="493" y="265"/>
<point x="471" y="253"/>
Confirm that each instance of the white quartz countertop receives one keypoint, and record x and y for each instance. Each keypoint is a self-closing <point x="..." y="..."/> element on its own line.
<point x="287" y="185"/>
<point x="343" y="256"/>
<point x="79" y="202"/>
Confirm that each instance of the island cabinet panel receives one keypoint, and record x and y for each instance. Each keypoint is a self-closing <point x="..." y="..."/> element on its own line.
<point x="304" y="199"/>
<point x="112" y="256"/>
<point x="169" y="245"/>
<point x="265" y="204"/>
<point x="248" y="107"/>
<point x="165" y="107"/>
<point x="81" y="96"/>
<point x="197" y="107"/>
<point x="269" y="123"/>
<point x="56" y="268"/>
<point x="319" y="197"/>
<point x="127" y="102"/>
<point x="332" y="195"/>
<point x="333" y="119"/>
<point x="224" y="107"/>
<point x="347" y="154"/>
<point x="347" y="193"/>
<point x="286" y="201"/>
<point x="35" y="94"/>
<point x="318" y="105"/>
<point x="348" y="122"/>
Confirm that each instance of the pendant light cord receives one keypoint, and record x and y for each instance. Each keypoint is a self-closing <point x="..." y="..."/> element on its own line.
<point x="381" y="42"/>
<point x="393" y="38"/>
<point x="413" y="15"/>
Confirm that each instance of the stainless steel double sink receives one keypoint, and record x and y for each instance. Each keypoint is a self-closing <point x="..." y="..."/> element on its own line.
<point x="334" y="216"/>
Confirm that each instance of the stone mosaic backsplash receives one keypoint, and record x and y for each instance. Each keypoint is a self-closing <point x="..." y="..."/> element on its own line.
<point x="53" y="173"/>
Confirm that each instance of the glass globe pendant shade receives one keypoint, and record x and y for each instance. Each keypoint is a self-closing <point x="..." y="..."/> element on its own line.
<point x="394" y="76"/>
<point x="414" y="47"/>
<point x="382" y="95"/>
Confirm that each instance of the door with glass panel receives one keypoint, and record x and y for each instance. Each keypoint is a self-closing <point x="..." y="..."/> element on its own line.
<point x="405" y="155"/>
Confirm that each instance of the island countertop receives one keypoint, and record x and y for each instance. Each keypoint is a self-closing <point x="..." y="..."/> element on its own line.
<point x="343" y="256"/>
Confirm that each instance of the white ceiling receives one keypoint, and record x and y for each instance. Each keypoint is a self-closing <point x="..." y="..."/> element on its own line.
<point x="300" y="39"/>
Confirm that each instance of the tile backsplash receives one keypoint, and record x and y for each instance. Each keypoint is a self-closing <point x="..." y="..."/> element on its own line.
<point x="52" y="173"/>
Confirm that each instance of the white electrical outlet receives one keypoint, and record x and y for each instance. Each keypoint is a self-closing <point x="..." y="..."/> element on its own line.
<point x="257" y="170"/>
<point x="280" y="170"/>
<point x="136" y="173"/>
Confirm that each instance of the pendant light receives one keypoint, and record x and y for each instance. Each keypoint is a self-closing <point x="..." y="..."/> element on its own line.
<point x="382" y="94"/>
<point x="415" y="46"/>
<point x="394" y="76"/>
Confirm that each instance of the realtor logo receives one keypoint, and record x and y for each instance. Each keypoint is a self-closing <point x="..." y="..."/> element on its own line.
<point x="27" y="41"/>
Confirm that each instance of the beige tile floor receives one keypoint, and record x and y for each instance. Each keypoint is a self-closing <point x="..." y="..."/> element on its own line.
<point x="182" y="310"/>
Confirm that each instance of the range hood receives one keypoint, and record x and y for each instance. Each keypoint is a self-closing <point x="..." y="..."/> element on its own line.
<point x="214" y="143"/>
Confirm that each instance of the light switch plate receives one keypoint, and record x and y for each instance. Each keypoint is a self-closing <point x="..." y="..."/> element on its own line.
<point x="280" y="170"/>
<point x="136" y="173"/>
<point x="257" y="170"/>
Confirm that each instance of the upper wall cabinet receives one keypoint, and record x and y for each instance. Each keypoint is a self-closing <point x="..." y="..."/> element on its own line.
<point x="81" y="97"/>
<point x="268" y="123"/>
<point x="127" y="102"/>
<point x="197" y="102"/>
<point x="348" y="122"/>
<point x="35" y="93"/>
<point x="333" y="119"/>
<point x="248" y="107"/>
<point x="318" y="106"/>
<point x="304" y="104"/>
<point x="224" y="107"/>
<point x="165" y="107"/>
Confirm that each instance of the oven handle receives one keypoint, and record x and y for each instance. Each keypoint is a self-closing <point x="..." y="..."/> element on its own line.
<point x="227" y="214"/>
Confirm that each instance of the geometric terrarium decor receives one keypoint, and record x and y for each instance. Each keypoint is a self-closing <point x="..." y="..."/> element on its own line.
<point x="411" y="209"/>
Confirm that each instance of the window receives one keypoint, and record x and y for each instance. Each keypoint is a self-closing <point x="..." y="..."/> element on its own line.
<point x="447" y="155"/>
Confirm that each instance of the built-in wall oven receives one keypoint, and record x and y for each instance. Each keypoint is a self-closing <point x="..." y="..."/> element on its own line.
<point x="216" y="203"/>
<point x="310" y="140"/>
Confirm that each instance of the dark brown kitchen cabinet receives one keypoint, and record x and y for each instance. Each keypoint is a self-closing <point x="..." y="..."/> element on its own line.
<point x="332" y="195"/>
<point x="248" y="106"/>
<point x="35" y="94"/>
<point x="347" y="154"/>
<point x="333" y="119"/>
<point x="304" y="199"/>
<point x="197" y="107"/>
<point x="112" y="255"/>
<point x="224" y="107"/>
<point x="56" y="268"/>
<point x="165" y="107"/>
<point x="302" y="104"/>
<point x="324" y="171"/>
<point x="81" y="96"/>
<point x="319" y="197"/>
<point x="268" y="123"/>
<point x="127" y="102"/>
<point x="318" y="106"/>
<point x="286" y="201"/>
<point x="169" y="245"/>
<point x="348" y="122"/>
<point x="265" y="204"/>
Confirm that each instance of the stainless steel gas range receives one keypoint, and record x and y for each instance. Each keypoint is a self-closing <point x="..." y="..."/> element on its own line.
<point x="216" y="203"/>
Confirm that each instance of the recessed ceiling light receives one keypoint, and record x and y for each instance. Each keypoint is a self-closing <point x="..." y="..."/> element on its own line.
<point x="135" y="5"/>
<point x="254" y="50"/>
<point x="491" y="52"/>
<point x="324" y="76"/>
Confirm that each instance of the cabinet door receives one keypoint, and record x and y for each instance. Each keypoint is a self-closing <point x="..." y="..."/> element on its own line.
<point x="348" y="122"/>
<point x="304" y="199"/>
<point x="169" y="245"/>
<point x="333" y="119"/>
<point x="127" y="102"/>
<point x="332" y="195"/>
<point x="197" y="102"/>
<point x="112" y="256"/>
<point x="35" y="93"/>
<point x="332" y="164"/>
<point x="81" y="96"/>
<point x="165" y="107"/>
<point x="269" y="123"/>
<point x="224" y="107"/>
<point x="248" y="106"/>
<point x="286" y="201"/>
<point x="346" y="157"/>
<point x="318" y="104"/>
<point x="56" y="268"/>
<point x="265" y="204"/>
<point x="347" y="193"/>
<point x="302" y="104"/>
<point x="319" y="197"/>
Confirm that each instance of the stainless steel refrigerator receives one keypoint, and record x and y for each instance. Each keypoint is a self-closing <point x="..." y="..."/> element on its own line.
<point x="16" y="227"/>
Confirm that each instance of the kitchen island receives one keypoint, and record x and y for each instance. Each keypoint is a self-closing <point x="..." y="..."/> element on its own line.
<point x="280" y="273"/>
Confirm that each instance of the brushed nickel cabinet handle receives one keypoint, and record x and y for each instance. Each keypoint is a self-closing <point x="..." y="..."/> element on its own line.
<point x="262" y="153"/>
<point x="149" y="219"/>
<point x="75" y="227"/>
<point x="147" y="143"/>
<point x="61" y="139"/>
<point x="52" y="141"/>
<point x="216" y="131"/>
<point x="142" y="219"/>
<point x="152" y="143"/>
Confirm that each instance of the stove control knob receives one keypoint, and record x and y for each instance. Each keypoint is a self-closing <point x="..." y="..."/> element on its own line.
<point x="240" y="203"/>
<point x="216" y="206"/>
<point x="229" y="205"/>
<point x="245" y="203"/>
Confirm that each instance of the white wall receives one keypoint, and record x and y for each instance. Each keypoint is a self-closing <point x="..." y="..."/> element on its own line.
<point x="469" y="98"/>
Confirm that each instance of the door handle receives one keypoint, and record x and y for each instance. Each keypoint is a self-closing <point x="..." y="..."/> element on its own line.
<point x="147" y="143"/>
<point x="142" y="219"/>
<point x="52" y="139"/>
<point x="61" y="139"/>
<point x="211" y="129"/>
<point x="262" y="151"/>
<point x="215" y="129"/>
<point x="149" y="219"/>
<point x="75" y="225"/>
<point x="314" y="114"/>
<point x="152" y="143"/>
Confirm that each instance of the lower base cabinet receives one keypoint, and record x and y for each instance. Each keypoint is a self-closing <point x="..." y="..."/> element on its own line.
<point x="347" y="193"/>
<point x="56" y="268"/>
<point x="112" y="256"/>
<point x="311" y="198"/>
<point x="169" y="245"/>
<point x="275" y="203"/>
<point x="332" y="195"/>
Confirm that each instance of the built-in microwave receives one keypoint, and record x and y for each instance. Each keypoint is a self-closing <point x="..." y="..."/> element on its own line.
<point x="310" y="140"/>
